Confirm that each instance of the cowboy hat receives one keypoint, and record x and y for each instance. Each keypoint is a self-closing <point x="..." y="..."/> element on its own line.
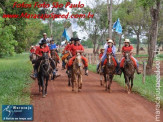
<point x="72" y="39"/>
<point x="110" y="41"/>
<point x="127" y="40"/>
<point x="77" y="39"/>
<point x="42" y="42"/>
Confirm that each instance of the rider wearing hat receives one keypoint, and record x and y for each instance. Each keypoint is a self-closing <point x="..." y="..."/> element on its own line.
<point x="100" y="55"/>
<point x="110" y="49"/>
<point x="45" y="38"/>
<point x="78" y="48"/>
<point x="67" y="52"/>
<point x="52" y="46"/>
<point x="43" y="48"/>
<point x="128" y="48"/>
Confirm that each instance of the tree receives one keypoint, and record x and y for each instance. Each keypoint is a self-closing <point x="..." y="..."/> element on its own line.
<point x="97" y="26"/>
<point x="154" y="7"/>
<point x="109" y="6"/>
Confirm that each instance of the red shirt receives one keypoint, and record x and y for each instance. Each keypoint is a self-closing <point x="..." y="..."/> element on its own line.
<point x="67" y="47"/>
<point x="32" y="50"/>
<point x="127" y="49"/>
<point x="101" y="54"/>
<point x="74" y="48"/>
<point x="39" y="50"/>
<point x="109" y="50"/>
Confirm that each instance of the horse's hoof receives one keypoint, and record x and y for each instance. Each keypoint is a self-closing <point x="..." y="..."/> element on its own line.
<point x="110" y="91"/>
<point x="79" y="90"/>
<point x="72" y="89"/>
<point x="69" y="85"/>
<point x="44" y="96"/>
<point x="128" y="92"/>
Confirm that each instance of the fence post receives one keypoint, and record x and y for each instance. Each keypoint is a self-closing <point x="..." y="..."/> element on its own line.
<point x="144" y="71"/>
<point x="90" y="58"/>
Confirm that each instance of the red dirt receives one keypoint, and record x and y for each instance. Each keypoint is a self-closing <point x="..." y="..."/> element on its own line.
<point x="92" y="104"/>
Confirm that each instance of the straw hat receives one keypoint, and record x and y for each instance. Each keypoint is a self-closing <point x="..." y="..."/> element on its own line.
<point x="44" y="34"/>
<point x="110" y="41"/>
<point x="127" y="40"/>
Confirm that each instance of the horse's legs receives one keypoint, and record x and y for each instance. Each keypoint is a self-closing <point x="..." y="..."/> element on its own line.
<point x="80" y="81"/>
<point x="110" y="82"/>
<point x="101" y="79"/>
<point x="46" y="86"/>
<point x="43" y="86"/>
<point x="128" y="84"/>
<point x="73" y="81"/>
<point x="131" y="83"/>
<point x="106" y="82"/>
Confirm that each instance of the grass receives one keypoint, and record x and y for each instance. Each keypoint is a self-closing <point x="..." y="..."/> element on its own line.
<point x="147" y="90"/>
<point x="15" y="80"/>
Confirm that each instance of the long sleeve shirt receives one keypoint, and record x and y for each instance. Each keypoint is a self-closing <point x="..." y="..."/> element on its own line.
<point x="113" y="51"/>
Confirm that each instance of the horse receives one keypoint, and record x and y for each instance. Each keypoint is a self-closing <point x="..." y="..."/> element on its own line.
<point x="109" y="71"/>
<point x="54" y="57"/>
<point x="128" y="71"/>
<point x="33" y="57"/>
<point x="69" y="73"/>
<point x="43" y="74"/>
<point x="101" y="74"/>
<point x="77" y="73"/>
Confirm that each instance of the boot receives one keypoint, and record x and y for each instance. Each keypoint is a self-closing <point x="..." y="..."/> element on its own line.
<point x="34" y="76"/>
<point x="86" y="71"/>
<point x="137" y="70"/>
<point x="69" y="69"/>
<point x="97" y="70"/>
<point x="120" y="71"/>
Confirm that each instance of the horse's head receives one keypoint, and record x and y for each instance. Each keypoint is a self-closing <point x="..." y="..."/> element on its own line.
<point x="127" y="56"/>
<point x="78" y="60"/>
<point x="109" y="59"/>
<point x="45" y="59"/>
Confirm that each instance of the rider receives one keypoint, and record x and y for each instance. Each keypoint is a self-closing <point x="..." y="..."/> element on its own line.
<point x="67" y="52"/>
<point x="32" y="49"/>
<point x="128" y="48"/>
<point x="100" y="55"/>
<point x="45" y="38"/>
<point x="42" y="48"/>
<point x="77" y="48"/>
<point x="52" y="46"/>
<point x="110" y="49"/>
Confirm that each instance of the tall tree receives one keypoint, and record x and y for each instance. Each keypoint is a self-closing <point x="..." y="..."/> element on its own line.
<point x="154" y="6"/>
<point x="109" y="7"/>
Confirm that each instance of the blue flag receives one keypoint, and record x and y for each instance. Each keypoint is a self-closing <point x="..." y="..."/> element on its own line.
<point x="117" y="26"/>
<point x="65" y="35"/>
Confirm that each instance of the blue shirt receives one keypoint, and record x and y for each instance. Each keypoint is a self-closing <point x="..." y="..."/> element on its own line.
<point x="52" y="46"/>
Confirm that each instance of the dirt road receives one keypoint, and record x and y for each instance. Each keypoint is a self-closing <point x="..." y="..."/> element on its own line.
<point x="93" y="104"/>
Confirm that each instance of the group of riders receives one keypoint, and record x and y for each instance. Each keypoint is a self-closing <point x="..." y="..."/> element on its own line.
<point x="73" y="47"/>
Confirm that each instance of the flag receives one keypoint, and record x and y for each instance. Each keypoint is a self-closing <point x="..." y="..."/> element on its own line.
<point x="65" y="35"/>
<point x="74" y="24"/>
<point x="69" y="31"/>
<point x="117" y="26"/>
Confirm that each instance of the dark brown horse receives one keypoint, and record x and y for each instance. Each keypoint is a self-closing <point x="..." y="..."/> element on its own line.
<point x="109" y="71"/>
<point x="43" y="74"/>
<point x="129" y="71"/>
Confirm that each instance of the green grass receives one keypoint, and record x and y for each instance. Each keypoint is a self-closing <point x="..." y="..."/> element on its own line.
<point x="15" y="80"/>
<point x="147" y="90"/>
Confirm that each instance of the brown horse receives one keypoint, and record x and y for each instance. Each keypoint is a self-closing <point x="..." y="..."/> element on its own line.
<point x="33" y="57"/>
<point x="129" y="71"/>
<point x="77" y="73"/>
<point x="54" y="57"/>
<point x="109" y="71"/>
